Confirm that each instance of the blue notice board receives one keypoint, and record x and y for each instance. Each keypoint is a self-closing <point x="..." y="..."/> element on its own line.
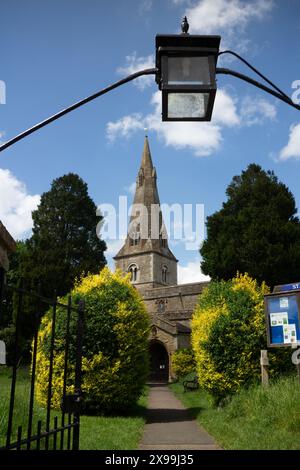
<point x="283" y="319"/>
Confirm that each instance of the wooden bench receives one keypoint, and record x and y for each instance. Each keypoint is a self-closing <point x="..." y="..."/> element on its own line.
<point x="190" y="384"/>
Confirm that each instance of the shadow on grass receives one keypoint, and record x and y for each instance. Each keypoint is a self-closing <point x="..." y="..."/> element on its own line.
<point x="136" y="410"/>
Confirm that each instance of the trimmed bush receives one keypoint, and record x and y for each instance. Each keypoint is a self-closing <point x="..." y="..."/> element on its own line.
<point x="228" y="332"/>
<point x="183" y="362"/>
<point x="115" y="358"/>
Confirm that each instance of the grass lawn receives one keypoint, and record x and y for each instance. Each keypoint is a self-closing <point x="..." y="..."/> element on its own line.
<point x="257" y="418"/>
<point x="114" y="433"/>
<point x="106" y="433"/>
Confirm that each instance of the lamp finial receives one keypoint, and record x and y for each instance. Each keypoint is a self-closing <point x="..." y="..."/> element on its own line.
<point x="185" y="26"/>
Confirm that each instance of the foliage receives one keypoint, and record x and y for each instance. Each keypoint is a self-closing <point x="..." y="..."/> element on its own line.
<point x="256" y="231"/>
<point x="22" y="393"/>
<point x="228" y="332"/>
<point x="64" y="244"/>
<point x="12" y="277"/>
<point x="183" y="362"/>
<point x="115" y="360"/>
<point x="96" y="433"/>
<point x="9" y="311"/>
<point x="256" y="418"/>
<point x="27" y="318"/>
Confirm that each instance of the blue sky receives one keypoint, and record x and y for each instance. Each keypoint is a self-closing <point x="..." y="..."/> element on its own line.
<point x="55" y="52"/>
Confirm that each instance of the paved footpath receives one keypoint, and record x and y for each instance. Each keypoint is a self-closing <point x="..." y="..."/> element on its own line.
<point x="169" y="425"/>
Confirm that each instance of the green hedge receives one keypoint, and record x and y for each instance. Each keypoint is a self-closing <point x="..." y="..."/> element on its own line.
<point x="183" y="362"/>
<point x="228" y="333"/>
<point x="115" y="360"/>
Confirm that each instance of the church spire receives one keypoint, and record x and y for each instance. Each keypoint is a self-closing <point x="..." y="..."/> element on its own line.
<point x="147" y="234"/>
<point x="146" y="188"/>
<point x="146" y="164"/>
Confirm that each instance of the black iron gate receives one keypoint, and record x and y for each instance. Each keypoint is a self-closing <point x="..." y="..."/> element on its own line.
<point x="58" y="429"/>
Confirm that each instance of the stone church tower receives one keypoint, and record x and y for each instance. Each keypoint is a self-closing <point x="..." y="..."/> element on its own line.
<point x="153" y="267"/>
<point x="146" y="253"/>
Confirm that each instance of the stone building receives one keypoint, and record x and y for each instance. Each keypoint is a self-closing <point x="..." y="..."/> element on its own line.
<point x="7" y="245"/>
<point x="153" y="267"/>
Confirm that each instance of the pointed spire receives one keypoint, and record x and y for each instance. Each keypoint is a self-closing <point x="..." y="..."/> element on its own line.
<point x="146" y="194"/>
<point x="147" y="164"/>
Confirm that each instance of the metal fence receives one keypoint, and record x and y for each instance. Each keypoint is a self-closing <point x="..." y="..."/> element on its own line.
<point x="59" y="429"/>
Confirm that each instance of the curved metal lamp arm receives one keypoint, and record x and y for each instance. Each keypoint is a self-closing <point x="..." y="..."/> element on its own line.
<point x="247" y="79"/>
<point x="280" y="95"/>
<point x="254" y="70"/>
<point x="76" y="105"/>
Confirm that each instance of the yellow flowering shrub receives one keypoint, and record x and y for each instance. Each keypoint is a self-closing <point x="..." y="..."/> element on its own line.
<point x="228" y="332"/>
<point x="183" y="362"/>
<point x="115" y="348"/>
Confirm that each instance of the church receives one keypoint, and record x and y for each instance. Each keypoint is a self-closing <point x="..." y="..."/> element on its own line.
<point x="153" y="269"/>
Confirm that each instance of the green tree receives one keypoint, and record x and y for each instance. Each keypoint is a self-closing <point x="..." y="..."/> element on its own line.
<point x="64" y="244"/>
<point x="9" y="310"/>
<point x="256" y="231"/>
<point x="12" y="277"/>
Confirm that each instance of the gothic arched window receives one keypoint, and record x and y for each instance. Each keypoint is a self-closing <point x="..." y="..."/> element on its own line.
<point x="133" y="270"/>
<point x="135" y="238"/>
<point x="164" y="273"/>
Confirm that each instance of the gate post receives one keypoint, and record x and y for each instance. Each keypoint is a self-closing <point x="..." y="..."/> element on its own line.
<point x="264" y="363"/>
<point x="78" y="397"/>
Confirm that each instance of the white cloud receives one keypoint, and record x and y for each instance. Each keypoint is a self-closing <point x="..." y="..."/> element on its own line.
<point x="131" y="188"/>
<point x="225" y="112"/>
<point x="225" y="17"/>
<point x="292" y="149"/>
<point x="202" y="139"/>
<point x="191" y="273"/>
<point x="257" y="110"/>
<point x="16" y="205"/>
<point x="126" y="126"/>
<point x="134" y="64"/>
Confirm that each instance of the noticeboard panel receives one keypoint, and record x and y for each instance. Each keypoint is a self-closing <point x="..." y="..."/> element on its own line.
<point x="283" y="318"/>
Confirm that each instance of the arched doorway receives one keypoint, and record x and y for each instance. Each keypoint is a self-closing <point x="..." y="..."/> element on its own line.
<point x="159" y="362"/>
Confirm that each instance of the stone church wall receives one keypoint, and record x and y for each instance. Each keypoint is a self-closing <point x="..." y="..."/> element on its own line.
<point x="7" y="245"/>
<point x="171" y="265"/>
<point x="173" y="302"/>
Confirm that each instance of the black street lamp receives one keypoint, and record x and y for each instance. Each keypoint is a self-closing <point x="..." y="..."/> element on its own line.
<point x="186" y="71"/>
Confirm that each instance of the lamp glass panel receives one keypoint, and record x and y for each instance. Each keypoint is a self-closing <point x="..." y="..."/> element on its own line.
<point x="188" y="71"/>
<point x="187" y="105"/>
